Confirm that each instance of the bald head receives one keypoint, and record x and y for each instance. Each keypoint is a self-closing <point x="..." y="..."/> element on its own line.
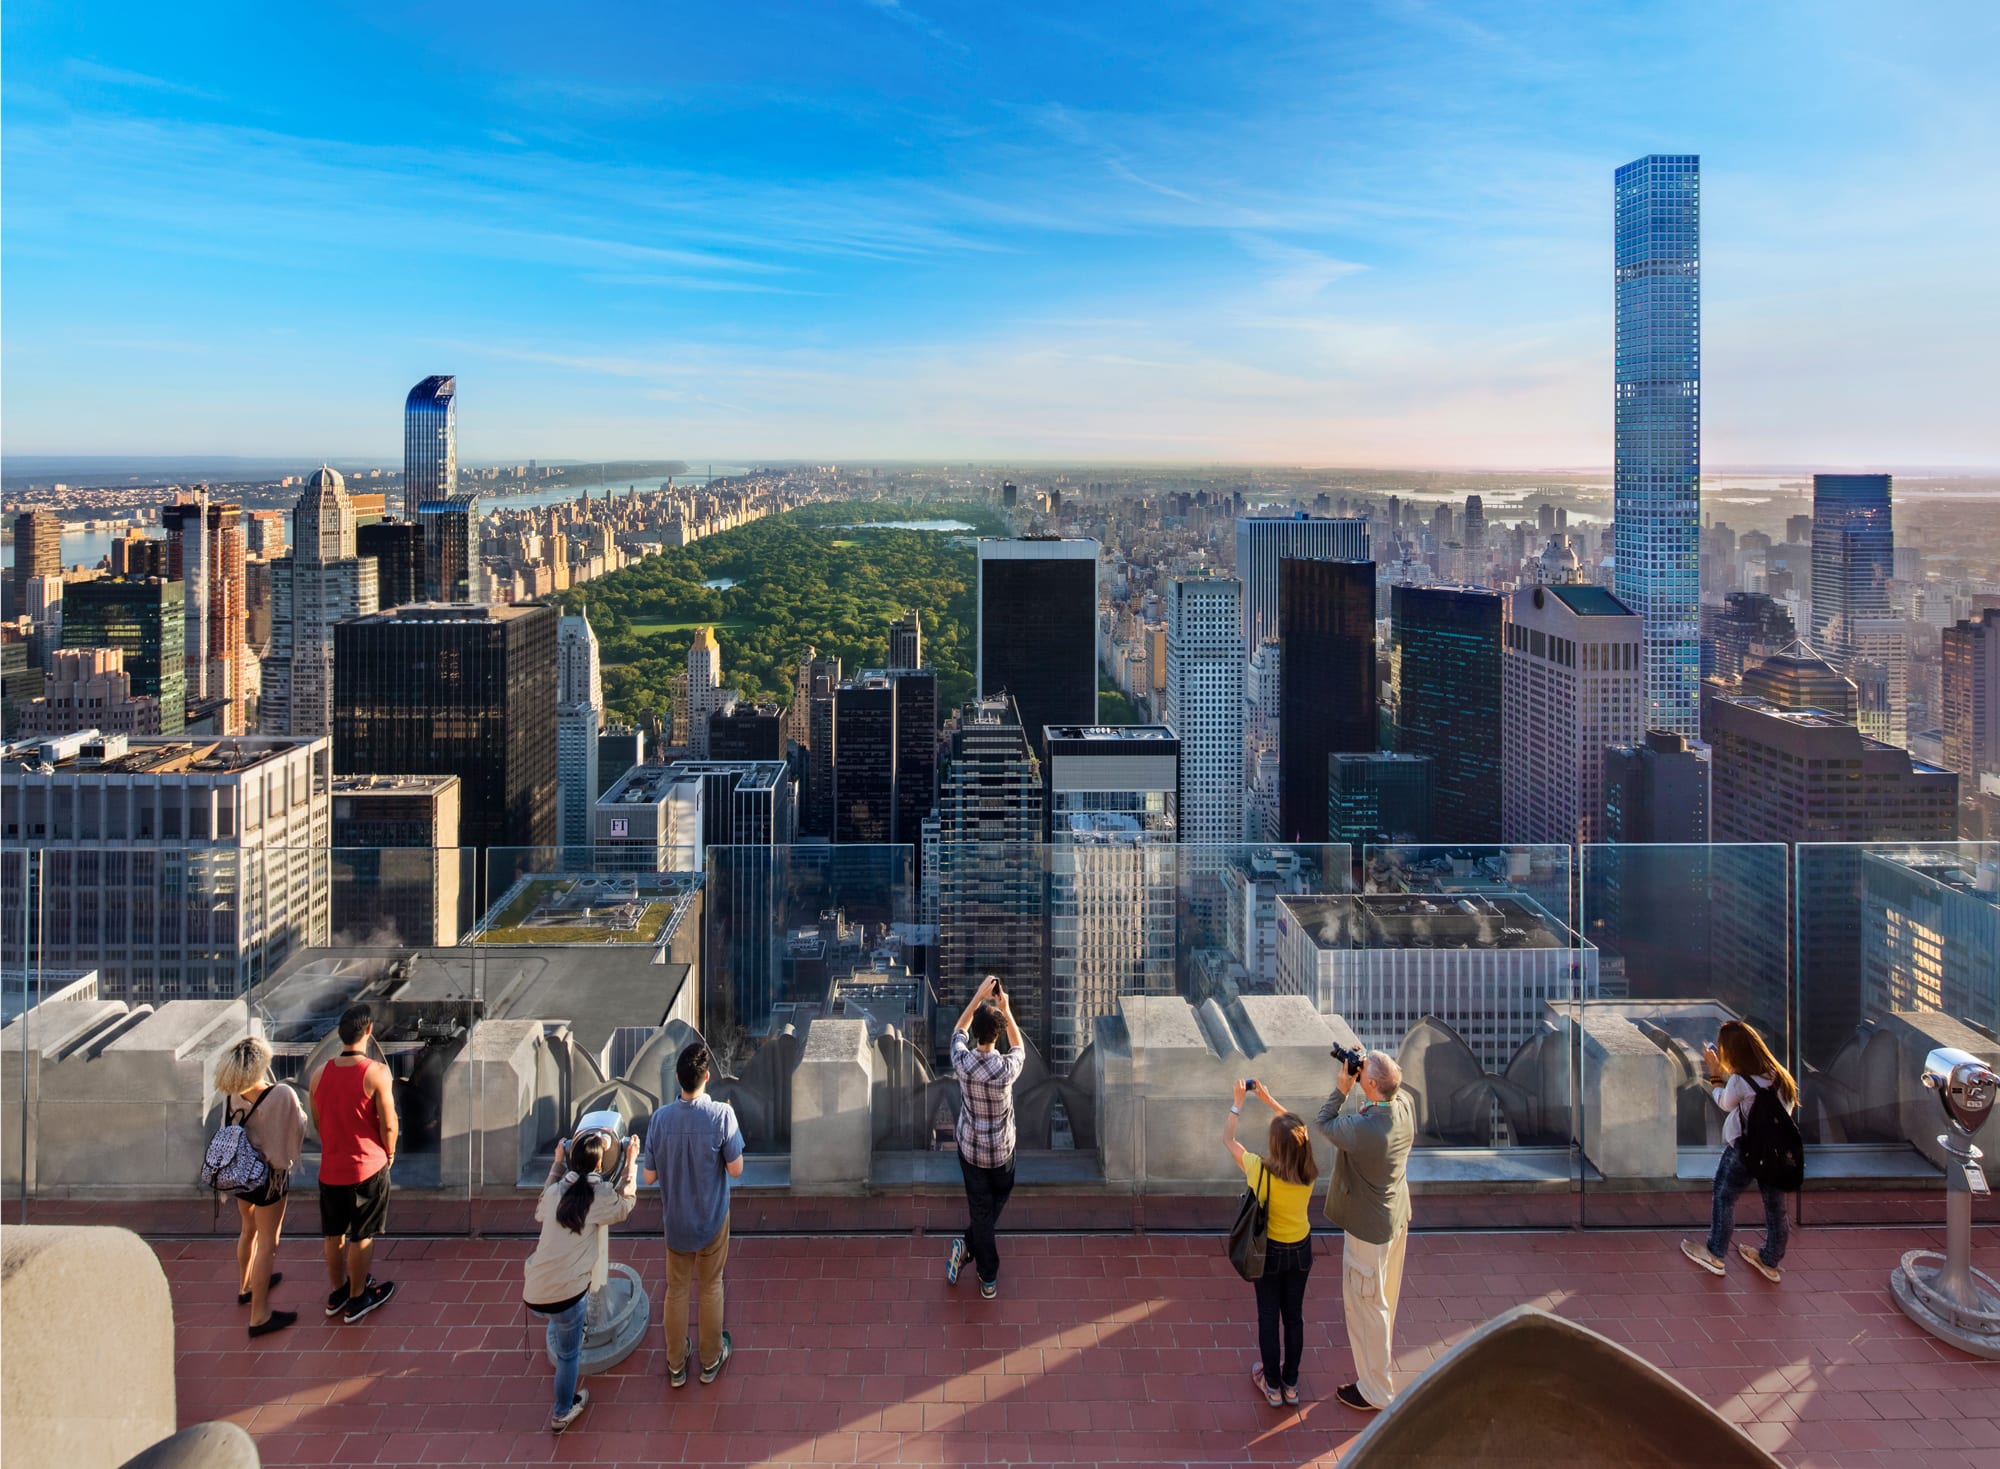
<point x="1382" y="1075"/>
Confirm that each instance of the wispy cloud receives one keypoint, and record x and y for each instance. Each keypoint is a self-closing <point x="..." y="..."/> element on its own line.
<point x="114" y="76"/>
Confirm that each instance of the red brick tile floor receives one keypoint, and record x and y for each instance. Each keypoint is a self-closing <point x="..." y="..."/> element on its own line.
<point x="1100" y="1350"/>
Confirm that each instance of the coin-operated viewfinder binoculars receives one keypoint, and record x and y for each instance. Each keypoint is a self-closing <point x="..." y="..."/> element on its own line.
<point x="1943" y="1293"/>
<point x="619" y="1310"/>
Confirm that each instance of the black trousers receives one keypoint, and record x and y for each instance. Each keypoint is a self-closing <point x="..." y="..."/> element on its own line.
<point x="1281" y="1299"/>
<point x="986" y="1191"/>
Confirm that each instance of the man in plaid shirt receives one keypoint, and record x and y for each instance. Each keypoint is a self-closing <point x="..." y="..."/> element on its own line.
<point x="985" y="1126"/>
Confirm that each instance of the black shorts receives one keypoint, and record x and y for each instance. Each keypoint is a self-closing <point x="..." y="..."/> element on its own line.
<point x="360" y="1211"/>
<point x="275" y="1188"/>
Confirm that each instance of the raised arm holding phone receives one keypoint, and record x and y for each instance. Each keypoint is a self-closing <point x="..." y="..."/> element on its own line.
<point x="986" y="1078"/>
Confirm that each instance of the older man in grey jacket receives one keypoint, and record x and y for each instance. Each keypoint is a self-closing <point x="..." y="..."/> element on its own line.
<point x="1370" y="1123"/>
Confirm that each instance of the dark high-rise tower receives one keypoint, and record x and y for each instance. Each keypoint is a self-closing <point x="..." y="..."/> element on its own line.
<point x="1326" y="683"/>
<point x="906" y="641"/>
<point x="1656" y="503"/>
<point x="1038" y="629"/>
<point x="1853" y="557"/>
<point x="430" y="443"/>
<point x="1264" y="541"/>
<point x="864" y="766"/>
<point x="398" y="549"/>
<point x="37" y="552"/>
<point x="451" y="549"/>
<point x="452" y="689"/>
<point x="1448" y="705"/>
<point x="916" y="750"/>
<point x="144" y="617"/>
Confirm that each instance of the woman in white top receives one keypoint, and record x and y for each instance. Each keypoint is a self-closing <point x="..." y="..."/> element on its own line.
<point x="275" y="1122"/>
<point x="1739" y="1066"/>
<point x="578" y="1204"/>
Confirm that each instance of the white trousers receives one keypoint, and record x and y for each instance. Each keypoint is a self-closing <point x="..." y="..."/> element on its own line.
<point x="1371" y="1279"/>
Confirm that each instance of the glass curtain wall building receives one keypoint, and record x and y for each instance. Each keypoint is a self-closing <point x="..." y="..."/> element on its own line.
<point x="1853" y="557"/>
<point x="1657" y="481"/>
<point x="1326" y="693"/>
<point x="1262" y="541"/>
<point x="430" y="443"/>
<point x="451" y="549"/>
<point x="1038" y="628"/>
<point x="144" y="617"/>
<point x="1447" y="671"/>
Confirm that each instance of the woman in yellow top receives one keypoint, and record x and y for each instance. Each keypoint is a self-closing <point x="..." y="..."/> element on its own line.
<point x="1289" y="1169"/>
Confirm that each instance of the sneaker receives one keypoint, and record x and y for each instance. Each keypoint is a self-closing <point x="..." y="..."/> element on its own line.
<point x="679" y="1378"/>
<point x="1699" y="1253"/>
<point x="954" y="1262"/>
<point x="243" y="1296"/>
<point x="369" y="1299"/>
<point x="714" y="1369"/>
<point x="1291" y="1397"/>
<point x="1264" y="1389"/>
<point x="558" y="1422"/>
<point x="988" y="1289"/>
<point x="1756" y="1262"/>
<point x="276" y="1321"/>
<point x="1350" y="1396"/>
<point x="336" y="1300"/>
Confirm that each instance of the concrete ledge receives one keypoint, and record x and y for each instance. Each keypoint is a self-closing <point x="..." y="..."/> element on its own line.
<point x="219" y="1445"/>
<point x="833" y="1089"/>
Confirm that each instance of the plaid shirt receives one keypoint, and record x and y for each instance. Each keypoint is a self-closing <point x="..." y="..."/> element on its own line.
<point x="986" y="1101"/>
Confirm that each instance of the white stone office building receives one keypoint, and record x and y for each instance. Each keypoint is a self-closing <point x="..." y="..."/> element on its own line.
<point x="1205" y="671"/>
<point x="320" y="584"/>
<point x="1572" y="685"/>
<point x="179" y="869"/>
<point x="652" y="821"/>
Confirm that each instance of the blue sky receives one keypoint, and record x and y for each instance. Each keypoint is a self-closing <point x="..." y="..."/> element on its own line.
<point x="1339" y="233"/>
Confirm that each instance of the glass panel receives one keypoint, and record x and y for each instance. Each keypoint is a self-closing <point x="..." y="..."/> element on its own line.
<point x="1688" y="936"/>
<point x="1898" y="952"/>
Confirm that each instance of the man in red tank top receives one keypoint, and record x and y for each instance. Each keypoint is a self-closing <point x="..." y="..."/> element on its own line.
<point x="354" y="1108"/>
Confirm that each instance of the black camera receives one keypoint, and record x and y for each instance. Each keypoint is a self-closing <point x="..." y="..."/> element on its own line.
<point x="1352" y="1058"/>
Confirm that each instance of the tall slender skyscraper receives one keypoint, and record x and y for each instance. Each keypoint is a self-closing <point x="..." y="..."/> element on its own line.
<point x="452" y="572"/>
<point x="1853" y="558"/>
<point x="430" y="443"/>
<point x="906" y="641"/>
<point x="1657" y="482"/>
<point x="579" y="715"/>
<point x="1262" y="541"/>
<point x="322" y="582"/>
<point x="1038" y="628"/>
<point x="37" y="552"/>
<point x="1205" y="671"/>
<point x="1448" y="703"/>
<point x="704" y="685"/>
<point x="1327" y="694"/>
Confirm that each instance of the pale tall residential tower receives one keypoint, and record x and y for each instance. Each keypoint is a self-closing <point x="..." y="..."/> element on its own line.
<point x="1205" y="671"/>
<point x="321" y="583"/>
<point x="1570" y="688"/>
<point x="1263" y="541"/>
<point x="1657" y="415"/>
<point x="705" y="691"/>
<point x="579" y="717"/>
<point x="430" y="443"/>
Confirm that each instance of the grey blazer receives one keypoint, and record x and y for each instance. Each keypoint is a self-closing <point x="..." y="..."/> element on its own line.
<point x="1369" y="1193"/>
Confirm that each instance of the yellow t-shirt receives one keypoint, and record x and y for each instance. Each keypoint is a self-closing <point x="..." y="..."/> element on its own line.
<point x="1290" y="1218"/>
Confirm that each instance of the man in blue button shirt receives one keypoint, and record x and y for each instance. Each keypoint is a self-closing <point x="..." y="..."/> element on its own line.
<point x="693" y="1149"/>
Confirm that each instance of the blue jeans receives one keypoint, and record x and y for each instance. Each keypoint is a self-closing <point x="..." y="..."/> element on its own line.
<point x="1731" y="1179"/>
<point x="566" y="1342"/>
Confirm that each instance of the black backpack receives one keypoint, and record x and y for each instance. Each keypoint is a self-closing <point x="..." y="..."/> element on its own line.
<point x="1771" y="1146"/>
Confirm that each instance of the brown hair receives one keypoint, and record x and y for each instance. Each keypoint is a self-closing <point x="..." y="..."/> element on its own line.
<point x="1743" y="1051"/>
<point x="1291" y="1155"/>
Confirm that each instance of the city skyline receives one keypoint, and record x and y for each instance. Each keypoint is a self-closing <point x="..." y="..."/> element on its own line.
<point x="1383" y="249"/>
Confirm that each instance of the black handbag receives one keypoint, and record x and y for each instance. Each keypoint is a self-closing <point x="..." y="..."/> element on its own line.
<point x="1250" y="1235"/>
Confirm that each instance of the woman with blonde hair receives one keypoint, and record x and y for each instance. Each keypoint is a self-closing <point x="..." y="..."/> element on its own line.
<point x="1286" y="1172"/>
<point x="275" y="1124"/>
<point x="1740" y="1067"/>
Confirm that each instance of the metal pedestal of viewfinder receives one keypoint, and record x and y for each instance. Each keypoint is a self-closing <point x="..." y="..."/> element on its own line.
<point x="1943" y="1293"/>
<point x="615" y="1322"/>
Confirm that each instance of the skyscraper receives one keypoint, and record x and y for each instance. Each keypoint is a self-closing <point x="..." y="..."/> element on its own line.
<point x="320" y="584"/>
<point x="397" y="548"/>
<point x="864" y="766"/>
<point x="1205" y="671"/>
<point x="430" y="443"/>
<point x="146" y="619"/>
<point x="1657" y="481"/>
<point x="1970" y="676"/>
<point x="1572" y="687"/>
<point x="37" y="552"/>
<point x="746" y="731"/>
<point x="1327" y="694"/>
<point x="705" y="692"/>
<point x="1853" y="558"/>
<point x="450" y="689"/>
<point x="1038" y="628"/>
<point x="906" y="640"/>
<point x="916" y="749"/>
<point x="1446" y="664"/>
<point x="1262" y="541"/>
<point x="579" y="715"/>
<point x="1111" y="795"/>
<point x="1657" y="791"/>
<point x="207" y="548"/>
<point x="822" y="677"/>
<point x="452" y="572"/>
<point x="1748" y="627"/>
<point x="1379" y="797"/>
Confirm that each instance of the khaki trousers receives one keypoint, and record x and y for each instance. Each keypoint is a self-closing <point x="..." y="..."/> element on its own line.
<point x="1371" y="1280"/>
<point x="682" y="1268"/>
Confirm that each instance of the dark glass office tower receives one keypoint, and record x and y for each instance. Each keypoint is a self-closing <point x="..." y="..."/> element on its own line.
<point x="1326" y="683"/>
<point x="147" y="618"/>
<point x="451" y="549"/>
<point x="430" y="443"/>
<point x="469" y="691"/>
<point x="398" y="549"/>
<point x="864" y="764"/>
<point x="1038" y="629"/>
<point x="916" y="750"/>
<point x="1447" y="670"/>
<point x="1853" y="557"/>
<point x="746" y="732"/>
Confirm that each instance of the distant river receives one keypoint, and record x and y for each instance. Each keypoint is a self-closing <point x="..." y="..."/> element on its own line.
<point x="80" y="547"/>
